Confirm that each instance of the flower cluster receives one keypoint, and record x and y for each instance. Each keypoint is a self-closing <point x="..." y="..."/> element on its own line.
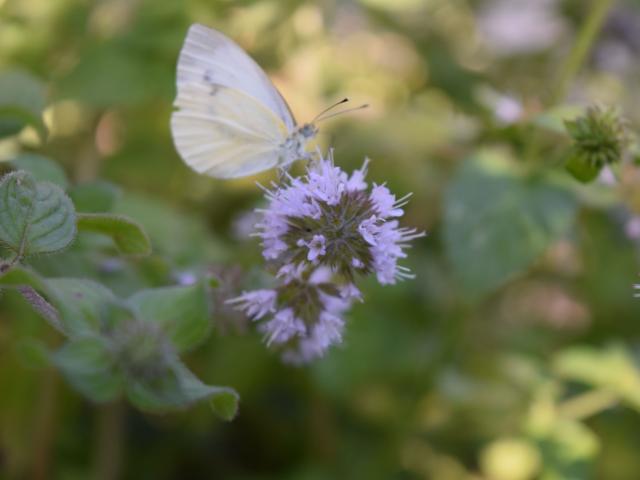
<point x="319" y="232"/>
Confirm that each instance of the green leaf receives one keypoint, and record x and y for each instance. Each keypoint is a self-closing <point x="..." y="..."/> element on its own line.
<point x="497" y="223"/>
<point x="183" y="312"/>
<point x="30" y="285"/>
<point x="41" y="168"/>
<point x="165" y="224"/>
<point x="35" y="217"/>
<point x="85" y="306"/>
<point x="612" y="368"/>
<point x="22" y="101"/>
<point x="179" y="388"/>
<point x="128" y="235"/>
<point x="94" y="197"/>
<point x="75" y="306"/>
<point x="19" y="275"/>
<point x="90" y="367"/>
<point x="554" y="119"/>
<point x="225" y="404"/>
<point x="106" y="76"/>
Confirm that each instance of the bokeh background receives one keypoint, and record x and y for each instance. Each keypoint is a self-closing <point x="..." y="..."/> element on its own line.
<point x="511" y="356"/>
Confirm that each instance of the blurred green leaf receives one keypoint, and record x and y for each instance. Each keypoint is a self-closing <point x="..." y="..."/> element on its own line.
<point x="22" y="101"/>
<point x="41" y="168"/>
<point x="35" y="217"/>
<point x="90" y="366"/>
<point x="178" y="234"/>
<point x="612" y="368"/>
<point x="94" y="197"/>
<point x="497" y="222"/>
<point x="554" y="119"/>
<point x="568" y="451"/>
<point x="18" y="275"/>
<point x="179" y="388"/>
<point x="30" y="286"/>
<point x="85" y="306"/>
<point x="225" y="403"/>
<point x="108" y="75"/>
<point x="183" y="312"/>
<point x="127" y="234"/>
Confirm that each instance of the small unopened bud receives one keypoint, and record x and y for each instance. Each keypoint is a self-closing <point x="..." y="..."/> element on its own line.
<point x="599" y="139"/>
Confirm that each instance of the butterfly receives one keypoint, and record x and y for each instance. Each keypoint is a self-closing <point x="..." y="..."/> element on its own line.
<point x="230" y="120"/>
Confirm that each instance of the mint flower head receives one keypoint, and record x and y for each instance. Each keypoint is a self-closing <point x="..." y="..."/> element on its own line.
<point x="328" y="218"/>
<point x="320" y="232"/>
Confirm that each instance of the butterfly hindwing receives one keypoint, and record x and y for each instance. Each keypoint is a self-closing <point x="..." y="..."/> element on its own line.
<point x="225" y="133"/>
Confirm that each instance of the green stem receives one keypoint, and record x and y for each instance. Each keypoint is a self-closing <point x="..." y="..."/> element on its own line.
<point x="45" y="423"/>
<point x="110" y="437"/>
<point x="581" y="48"/>
<point x="588" y="404"/>
<point x="586" y="36"/>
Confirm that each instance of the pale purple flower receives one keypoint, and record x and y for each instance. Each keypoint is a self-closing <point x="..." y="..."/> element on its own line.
<point x="385" y="202"/>
<point x="316" y="247"/>
<point x="320" y="231"/>
<point x="512" y="27"/>
<point x="328" y="218"/>
<point x="186" y="278"/>
<point x="368" y="228"/>
<point x="632" y="228"/>
<point x="283" y="327"/>
<point x="255" y="304"/>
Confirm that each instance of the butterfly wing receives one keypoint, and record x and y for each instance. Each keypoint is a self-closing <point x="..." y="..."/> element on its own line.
<point x="225" y="133"/>
<point x="208" y="57"/>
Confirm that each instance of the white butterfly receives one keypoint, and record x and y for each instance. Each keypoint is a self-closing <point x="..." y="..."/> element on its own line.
<point x="231" y="121"/>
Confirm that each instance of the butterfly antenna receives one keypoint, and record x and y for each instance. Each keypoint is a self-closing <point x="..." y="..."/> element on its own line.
<point x="354" y="109"/>
<point x="330" y="107"/>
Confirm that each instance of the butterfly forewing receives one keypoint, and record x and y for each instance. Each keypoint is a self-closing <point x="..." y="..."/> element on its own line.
<point x="210" y="58"/>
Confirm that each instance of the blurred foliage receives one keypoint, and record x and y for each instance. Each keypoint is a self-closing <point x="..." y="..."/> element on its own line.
<point x="512" y="356"/>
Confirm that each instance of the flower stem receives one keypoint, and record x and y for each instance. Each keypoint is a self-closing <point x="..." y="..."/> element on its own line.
<point x="45" y="423"/>
<point x="109" y="446"/>
<point x="581" y="48"/>
<point x="588" y="404"/>
<point x="586" y="36"/>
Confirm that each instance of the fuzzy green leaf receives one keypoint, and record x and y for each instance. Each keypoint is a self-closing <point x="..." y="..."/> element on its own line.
<point x="41" y="168"/>
<point x="128" y="235"/>
<point x="35" y="217"/>
<point x="30" y="285"/>
<point x="22" y="101"/>
<point x="225" y="404"/>
<point x="90" y="366"/>
<point x="179" y="388"/>
<point x="183" y="312"/>
<point x="497" y="223"/>
<point x="612" y="368"/>
<point x="94" y="197"/>
<point x="86" y="306"/>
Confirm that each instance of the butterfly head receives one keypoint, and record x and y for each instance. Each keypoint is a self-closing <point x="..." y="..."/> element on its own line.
<point x="308" y="131"/>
